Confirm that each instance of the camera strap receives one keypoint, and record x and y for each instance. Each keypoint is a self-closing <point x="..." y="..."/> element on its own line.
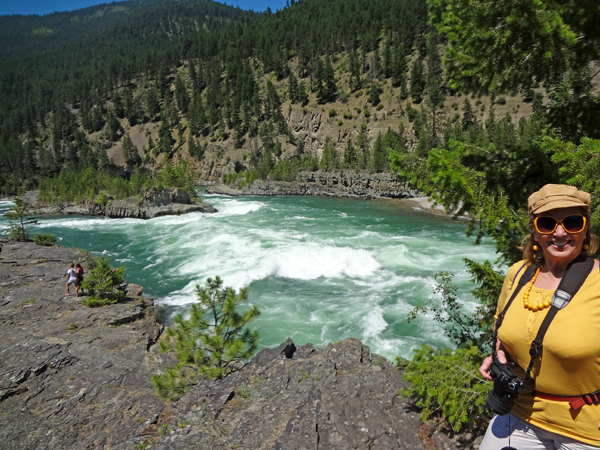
<point x="522" y="282"/>
<point x="572" y="280"/>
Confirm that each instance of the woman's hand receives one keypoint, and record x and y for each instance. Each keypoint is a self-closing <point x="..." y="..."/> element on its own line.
<point x="487" y="362"/>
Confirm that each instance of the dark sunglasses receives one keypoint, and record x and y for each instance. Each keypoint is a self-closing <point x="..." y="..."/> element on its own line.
<point x="571" y="224"/>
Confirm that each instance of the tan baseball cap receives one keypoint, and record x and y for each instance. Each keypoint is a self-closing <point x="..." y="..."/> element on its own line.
<point x="554" y="196"/>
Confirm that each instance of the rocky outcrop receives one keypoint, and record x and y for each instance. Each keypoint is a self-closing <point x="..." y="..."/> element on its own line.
<point x="71" y="377"/>
<point x="335" y="184"/>
<point x="74" y="377"/>
<point x="337" y="397"/>
<point x="150" y="204"/>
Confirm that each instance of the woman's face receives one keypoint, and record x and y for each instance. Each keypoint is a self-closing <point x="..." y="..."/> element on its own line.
<point x="561" y="247"/>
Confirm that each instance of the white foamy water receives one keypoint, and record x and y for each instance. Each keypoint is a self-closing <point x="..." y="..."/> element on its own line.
<point x="319" y="269"/>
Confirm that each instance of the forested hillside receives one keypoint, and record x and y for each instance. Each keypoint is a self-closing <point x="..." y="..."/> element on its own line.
<point x="333" y="85"/>
<point x="73" y="84"/>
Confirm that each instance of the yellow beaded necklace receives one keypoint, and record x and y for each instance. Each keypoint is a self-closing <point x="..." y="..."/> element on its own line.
<point x="530" y="306"/>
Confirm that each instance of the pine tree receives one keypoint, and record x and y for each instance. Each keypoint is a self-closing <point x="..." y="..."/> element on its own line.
<point x="468" y="118"/>
<point x="129" y="106"/>
<point x="403" y="87"/>
<point x="151" y="104"/>
<point x="329" y="159"/>
<point x="118" y="105"/>
<point x="302" y="94"/>
<point x="327" y="89"/>
<point x="435" y="91"/>
<point x="354" y="70"/>
<point x="374" y="94"/>
<point x="375" y="65"/>
<point x="238" y="137"/>
<point x="362" y="142"/>
<point x="181" y="96"/>
<point x="387" y="58"/>
<point x="103" y="161"/>
<point x="130" y="151"/>
<point x="112" y="127"/>
<point x="379" y="162"/>
<point x="300" y="150"/>
<point x="102" y="284"/>
<point x="417" y="80"/>
<point x="293" y="88"/>
<point x="398" y="69"/>
<point x="165" y="140"/>
<point x="213" y="343"/>
<point x="20" y="222"/>
<point x="350" y="156"/>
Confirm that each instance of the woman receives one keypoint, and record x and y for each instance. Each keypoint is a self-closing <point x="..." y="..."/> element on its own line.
<point x="72" y="279"/>
<point x="79" y="272"/>
<point x="569" y="366"/>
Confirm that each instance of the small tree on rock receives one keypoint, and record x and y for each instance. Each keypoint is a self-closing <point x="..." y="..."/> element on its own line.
<point x="20" y="222"/>
<point x="213" y="343"/>
<point x="102" y="284"/>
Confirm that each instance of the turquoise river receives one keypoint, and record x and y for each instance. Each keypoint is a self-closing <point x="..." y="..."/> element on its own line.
<point x="319" y="269"/>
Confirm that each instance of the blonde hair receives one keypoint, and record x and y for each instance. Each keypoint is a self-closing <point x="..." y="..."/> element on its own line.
<point x="537" y="257"/>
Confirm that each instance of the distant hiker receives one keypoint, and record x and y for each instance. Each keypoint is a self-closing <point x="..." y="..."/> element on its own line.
<point x="79" y="270"/>
<point x="72" y="279"/>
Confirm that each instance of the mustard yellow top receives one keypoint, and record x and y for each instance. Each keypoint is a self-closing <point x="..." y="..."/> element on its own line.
<point x="570" y="360"/>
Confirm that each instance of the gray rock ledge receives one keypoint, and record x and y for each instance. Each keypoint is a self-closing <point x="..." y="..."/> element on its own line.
<point x="150" y="204"/>
<point x="333" y="184"/>
<point x="71" y="377"/>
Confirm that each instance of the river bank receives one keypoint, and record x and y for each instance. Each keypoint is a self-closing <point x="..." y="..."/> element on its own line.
<point x="74" y="377"/>
<point x="332" y="184"/>
<point x="149" y="205"/>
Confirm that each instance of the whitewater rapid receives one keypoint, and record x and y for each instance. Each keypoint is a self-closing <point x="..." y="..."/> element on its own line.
<point x="319" y="269"/>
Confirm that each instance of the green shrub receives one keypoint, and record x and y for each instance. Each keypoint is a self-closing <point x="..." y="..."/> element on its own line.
<point x="367" y="112"/>
<point x="102" y="198"/>
<point x="347" y="115"/>
<point x="379" y="107"/>
<point x="332" y="112"/>
<point x="501" y="101"/>
<point x="102" y="284"/>
<point x="47" y="240"/>
<point x="448" y="384"/>
<point x="340" y="123"/>
<point x="343" y="96"/>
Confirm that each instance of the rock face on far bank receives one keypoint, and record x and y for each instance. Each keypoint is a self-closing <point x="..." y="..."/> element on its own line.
<point x="71" y="377"/>
<point x="150" y="204"/>
<point x="335" y="184"/>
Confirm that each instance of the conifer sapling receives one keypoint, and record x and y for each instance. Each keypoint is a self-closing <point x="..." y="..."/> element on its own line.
<point x="213" y="343"/>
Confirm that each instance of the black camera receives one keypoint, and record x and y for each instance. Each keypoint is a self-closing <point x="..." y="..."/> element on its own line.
<point x="507" y="386"/>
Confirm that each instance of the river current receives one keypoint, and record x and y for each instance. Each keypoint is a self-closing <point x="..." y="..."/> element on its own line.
<point x="319" y="269"/>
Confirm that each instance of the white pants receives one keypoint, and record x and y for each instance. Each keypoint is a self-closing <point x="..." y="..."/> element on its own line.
<point x="510" y="431"/>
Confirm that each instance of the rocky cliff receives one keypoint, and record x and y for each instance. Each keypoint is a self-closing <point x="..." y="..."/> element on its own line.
<point x="336" y="184"/>
<point x="73" y="377"/>
<point x="151" y="203"/>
